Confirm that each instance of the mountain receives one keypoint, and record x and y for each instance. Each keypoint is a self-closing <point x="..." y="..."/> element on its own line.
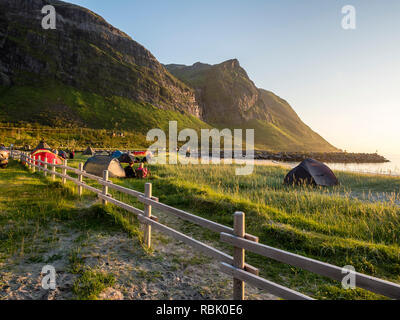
<point x="51" y="75"/>
<point x="228" y="98"/>
<point x="87" y="73"/>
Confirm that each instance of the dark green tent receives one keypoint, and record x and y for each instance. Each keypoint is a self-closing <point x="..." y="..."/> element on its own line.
<point x="311" y="172"/>
<point x="42" y="145"/>
<point x="89" y="152"/>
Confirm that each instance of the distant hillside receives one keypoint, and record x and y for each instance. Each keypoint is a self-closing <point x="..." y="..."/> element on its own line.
<point x="228" y="98"/>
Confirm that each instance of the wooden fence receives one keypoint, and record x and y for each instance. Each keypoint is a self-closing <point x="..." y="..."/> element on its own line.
<point x="234" y="266"/>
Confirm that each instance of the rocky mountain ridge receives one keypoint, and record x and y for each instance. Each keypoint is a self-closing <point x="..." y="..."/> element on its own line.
<point x="228" y="97"/>
<point x="85" y="52"/>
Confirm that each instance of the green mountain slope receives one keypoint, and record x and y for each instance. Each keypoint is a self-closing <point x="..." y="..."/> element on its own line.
<point x="228" y="98"/>
<point x="84" y="52"/>
<point x="58" y="105"/>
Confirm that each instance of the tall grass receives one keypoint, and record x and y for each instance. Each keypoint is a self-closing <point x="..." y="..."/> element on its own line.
<point x="341" y="225"/>
<point x="356" y="223"/>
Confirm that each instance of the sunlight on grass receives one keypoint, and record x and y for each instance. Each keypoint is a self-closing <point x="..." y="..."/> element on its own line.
<point x="356" y="223"/>
<point x="343" y="225"/>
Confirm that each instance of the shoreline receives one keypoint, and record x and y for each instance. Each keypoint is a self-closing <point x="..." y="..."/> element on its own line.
<point x="327" y="157"/>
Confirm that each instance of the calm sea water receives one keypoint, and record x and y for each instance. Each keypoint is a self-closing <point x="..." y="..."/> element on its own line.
<point x="390" y="168"/>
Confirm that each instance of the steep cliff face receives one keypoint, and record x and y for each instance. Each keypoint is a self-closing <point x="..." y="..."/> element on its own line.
<point x="84" y="52"/>
<point x="225" y="93"/>
<point x="228" y="98"/>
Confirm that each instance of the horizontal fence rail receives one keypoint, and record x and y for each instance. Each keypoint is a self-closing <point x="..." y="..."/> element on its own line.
<point x="234" y="266"/>
<point x="376" y="285"/>
<point x="213" y="226"/>
<point x="271" y="287"/>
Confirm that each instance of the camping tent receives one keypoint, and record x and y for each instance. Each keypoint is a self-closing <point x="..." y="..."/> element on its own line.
<point x="43" y="154"/>
<point x="63" y="154"/>
<point x="89" y="152"/>
<point x="96" y="166"/>
<point x="140" y="153"/>
<point x="312" y="172"/>
<point x="116" y="154"/>
<point x="42" y="145"/>
<point x="126" y="158"/>
<point x="3" y="158"/>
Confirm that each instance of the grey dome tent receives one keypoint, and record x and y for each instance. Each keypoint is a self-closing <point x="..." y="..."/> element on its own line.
<point x="311" y="172"/>
<point x="89" y="152"/>
<point x="96" y="166"/>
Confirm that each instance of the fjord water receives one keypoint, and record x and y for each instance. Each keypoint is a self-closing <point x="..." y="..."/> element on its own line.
<point x="389" y="168"/>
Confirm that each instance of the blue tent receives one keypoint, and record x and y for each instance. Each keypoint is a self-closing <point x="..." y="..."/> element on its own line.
<point x="116" y="154"/>
<point x="63" y="154"/>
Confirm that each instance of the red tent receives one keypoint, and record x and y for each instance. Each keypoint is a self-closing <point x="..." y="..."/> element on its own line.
<point x="43" y="154"/>
<point x="140" y="153"/>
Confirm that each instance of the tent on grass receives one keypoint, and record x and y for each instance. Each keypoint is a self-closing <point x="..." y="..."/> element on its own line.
<point x="42" y="145"/>
<point x="97" y="164"/>
<point x="43" y="154"/>
<point x="116" y="154"/>
<point x="3" y="157"/>
<point x="127" y="158"/>
<point x="140" y="153"/>
<point x="311" y="172"/>
<point x="89" y="152"/>
<point x="63" y="154"/>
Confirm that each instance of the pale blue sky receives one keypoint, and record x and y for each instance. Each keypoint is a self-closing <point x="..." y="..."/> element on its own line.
<point x="343" y="83"/>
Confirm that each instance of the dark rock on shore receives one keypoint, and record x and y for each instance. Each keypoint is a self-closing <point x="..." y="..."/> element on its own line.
<point x="328" y="157"/>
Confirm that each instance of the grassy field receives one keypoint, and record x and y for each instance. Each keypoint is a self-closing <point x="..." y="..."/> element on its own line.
<point x="36" y="215"/>
<point x="344" y="225"/>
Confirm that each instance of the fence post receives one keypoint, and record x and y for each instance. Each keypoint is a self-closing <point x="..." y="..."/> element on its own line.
<point x="238" y="255"/>
<point x="45" y="167"/>
<point x="147" y="213"/>
<point x="80" y="178"/>
<point x="33" y="164"/>
<point x="53" y="170"/>
<point x="64" y="171"/>
<point x="105" y="188"/>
